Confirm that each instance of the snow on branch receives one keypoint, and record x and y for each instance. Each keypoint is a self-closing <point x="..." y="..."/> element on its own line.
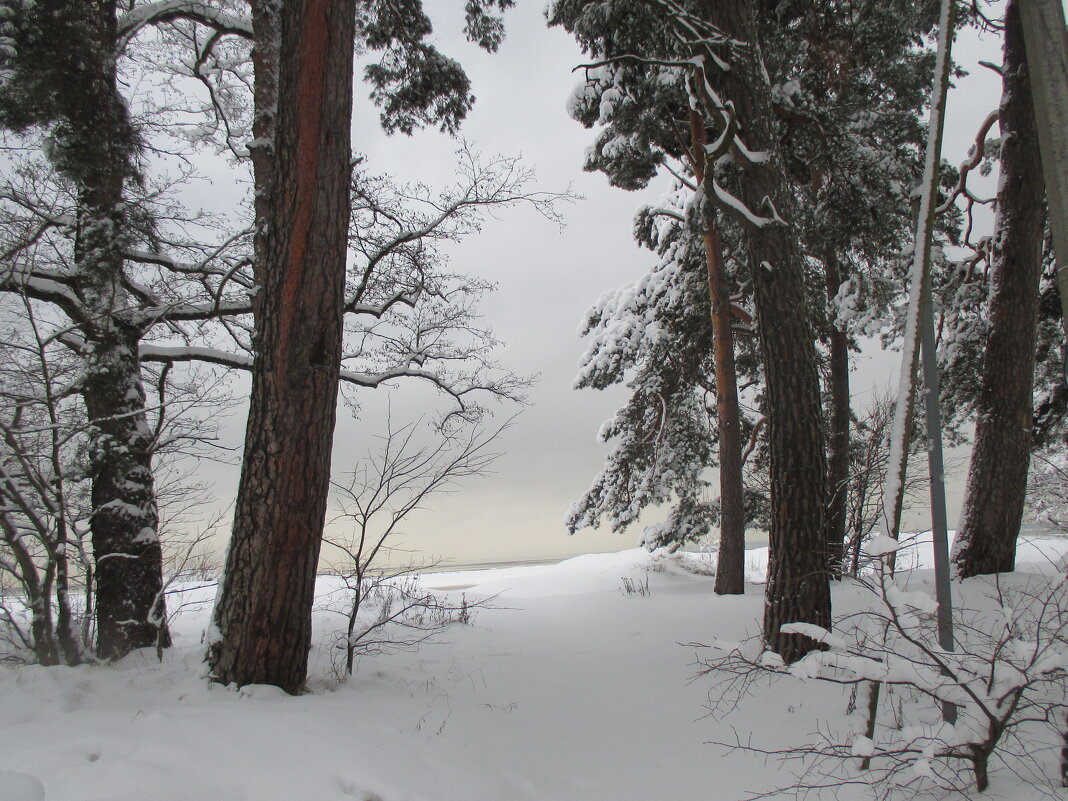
<point x="378" y="310"/>
<point x="47" y="289"/>
<point x="692" y="30"/>
<point x="752" y="156"/>
<point x="508" y="388"/>
<point x="209" y="15"/>
<point x="1006" y="676"/>
<point x="978" y="153"/>
<point x="168" y="354"/>
<point x="201" y="267"/>
<point x="176" y="312"/>
<point x="736" y="208"/>
<point x="39" y="209"/>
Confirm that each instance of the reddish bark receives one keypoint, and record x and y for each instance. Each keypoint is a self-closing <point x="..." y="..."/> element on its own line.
<point x="730" y="568"/>
<point x="263" y="614"/>
<point x="798" y="588"/>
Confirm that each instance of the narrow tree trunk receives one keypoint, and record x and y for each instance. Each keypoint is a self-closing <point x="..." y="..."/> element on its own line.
<point x="1064" y="753"/>
<point x="838" y="440"/>
<point x="66" y="634"/>
<point x="263" y="614"/>
<point x="980" y="763"/>
<point x="798" y="587"/>
<point x="730" y="567"/>
<point x="126" y="548"/>
<point x="997" y="477"/>
<point x="44" y="644"/>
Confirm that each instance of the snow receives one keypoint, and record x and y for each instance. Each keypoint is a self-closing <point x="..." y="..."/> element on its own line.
<point x="733" y="204"/>
<point x="131" y="21"/>
<point x="817" y="633"/>
<point x="880" y="545"/>
<point x="569" y="689"/>
<point x="20" y="787"/>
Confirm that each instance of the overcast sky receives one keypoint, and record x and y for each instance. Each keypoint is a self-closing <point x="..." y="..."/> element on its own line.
<point x="546" y="279"/>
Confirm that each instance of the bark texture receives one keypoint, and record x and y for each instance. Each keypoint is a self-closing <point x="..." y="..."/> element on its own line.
<point x="263" y="614"/>
<point x="798" y="588"/>
<point x="997" y="476"/>
<point x="838" y="439"/>
<point x="730" y="567"/>
<point x="130" y="609"/>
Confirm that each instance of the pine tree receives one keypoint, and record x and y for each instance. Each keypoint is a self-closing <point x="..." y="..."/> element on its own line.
<point x="847" y="91"/>
<point x="263" y="610"/>
<point x="648" y="123"/>
<point x="733" y="90"/>
<point x="850" y="88"/>
<point x="302" y="165"/>
<point x="997" y="478"/>
<point x="655" y="335"/>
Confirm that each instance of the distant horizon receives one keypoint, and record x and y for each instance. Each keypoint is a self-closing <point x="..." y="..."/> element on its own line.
<point x="755" y="539"/>
<point x="546" y="279"/>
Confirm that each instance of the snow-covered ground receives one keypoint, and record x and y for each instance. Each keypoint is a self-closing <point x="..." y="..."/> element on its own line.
<point x="570" y="689"/>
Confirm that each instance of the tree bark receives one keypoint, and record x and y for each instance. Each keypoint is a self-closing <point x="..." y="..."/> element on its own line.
<point x="130" y="608"/>
<point x="838" y="440"/>
<point x="263" y="614"/>
<point x="730" y="567"/>
<point x="798" y="588"/>
<point x="997" y="476"/>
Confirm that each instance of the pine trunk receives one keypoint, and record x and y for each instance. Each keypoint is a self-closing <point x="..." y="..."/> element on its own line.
<point x="730" y="569"/>
<point x="838" y="440"/>
<point x="263" y="614"/>
<point x="997" y="477"/>
<point x="126" y="550"/>
<point x="730" y="566"/>
<point x="798" y="588"/>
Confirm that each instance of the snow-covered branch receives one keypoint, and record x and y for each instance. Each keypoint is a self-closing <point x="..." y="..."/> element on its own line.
<point x="49" y="290"/>
<point x="177" y="312"/>
<point x="1007" y="673"/>
<point x="168" y="354"/>
<point x="210" y="15"/>
<point x="737" y="209"/>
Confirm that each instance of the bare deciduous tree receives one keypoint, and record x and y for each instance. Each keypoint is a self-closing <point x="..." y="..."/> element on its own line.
<point x="387" y="487"/>
<point x="44" y="503"/>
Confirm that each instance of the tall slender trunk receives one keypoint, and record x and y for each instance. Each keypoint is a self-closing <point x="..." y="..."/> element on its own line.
<point x="126" y="549"/>
<point x="997" y="476"/>
<point x="730" y="568"/>
<point x="70" y="644"/>
<point x="838" y="439"/>
<point x="263" y="614"/>
<point x="798" y="588"/>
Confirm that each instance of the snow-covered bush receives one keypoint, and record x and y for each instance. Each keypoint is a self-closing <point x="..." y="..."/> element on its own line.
<point x="947" y="718"/>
